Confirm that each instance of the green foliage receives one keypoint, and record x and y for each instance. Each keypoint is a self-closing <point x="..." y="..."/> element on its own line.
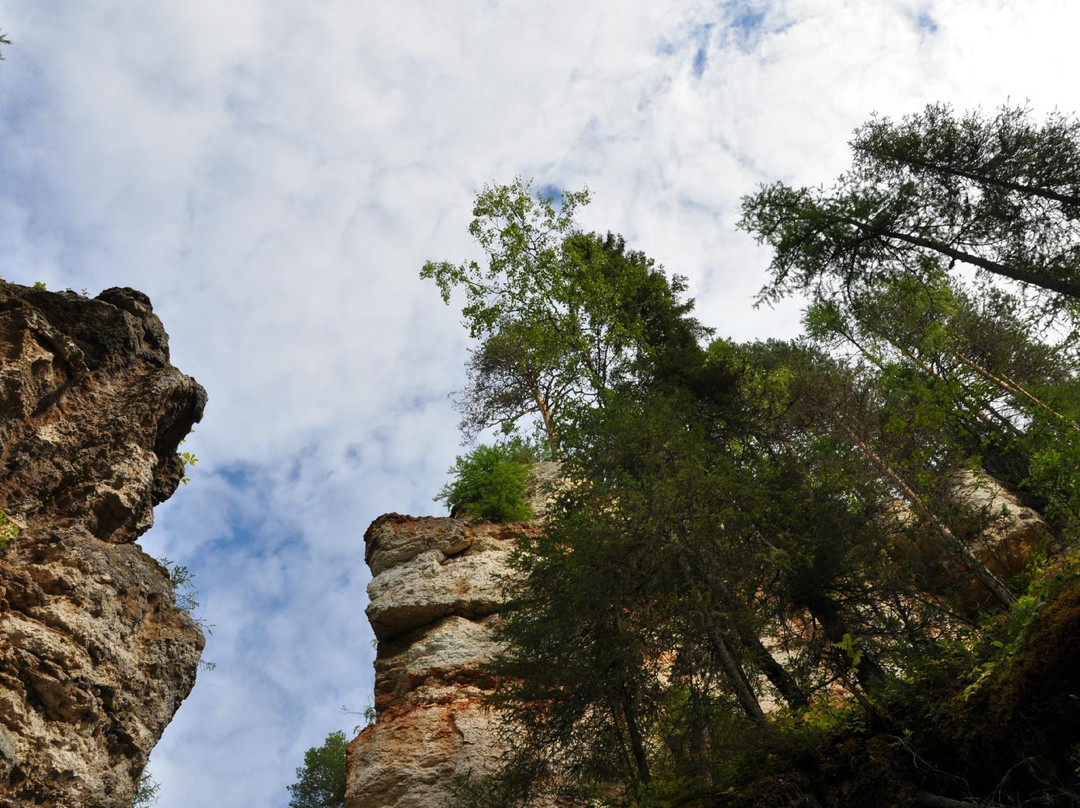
<point x="320" y="782"/>
<point x="187" y="458"/>
<point x="146" y="791"/>
<point x="187" y="598"/>
<point x="561" y="316"/>
<point x="995" y="192"/>
<point x="490" y="483"/>
<point x="180" y="579"/>
<point x="3" y="41"/>
<point x="8" y="529"/>
<point x="785" y="522"/>
<point x="505" y="790"/>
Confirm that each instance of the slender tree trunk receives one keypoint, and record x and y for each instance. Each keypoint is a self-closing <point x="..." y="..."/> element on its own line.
<point x="990" y="581"/>
<point x="826" y="611"/>
<point x="759" y="655"/>
<point x="1009" y="386"/>
<point x="979" y="402"/>
<point x="981" y="179"/>
<point x="545" y="413"/>
<point x="637" y="745"/>
<point x="1041" y="280"/>
<point x="775" y="672"/>
<point x="744" y="693"/>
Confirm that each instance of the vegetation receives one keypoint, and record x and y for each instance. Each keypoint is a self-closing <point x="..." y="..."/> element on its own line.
<point x="490" y="483"/>
<point x="8" y="529"/>
<point x="999" y="194"/>
<point x="187" y="598"/>
<point x="146" y="791"/>
<point x="798" y="573"/>
<point x="320" y="782"/>
<point x="560" y="315"/>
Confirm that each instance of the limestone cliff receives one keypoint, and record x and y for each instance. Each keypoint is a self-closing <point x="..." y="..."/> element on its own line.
<point x="95" y="656"/>
<point x="433" y="597"/>
<point x="433" y="594"/>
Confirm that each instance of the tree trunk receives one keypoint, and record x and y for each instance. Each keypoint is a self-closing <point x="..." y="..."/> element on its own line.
<point x="826" y="611"/>
<point x="981" y="179"/>
<point x="549" y="420"/>
<point x="992" y="583"/>
<point x="1041" y="280"/>
<point x="637" y="745"/>
<point x="1009" y="386"/>
<point x="775" y="672"/>
<point x="744" y="693"/>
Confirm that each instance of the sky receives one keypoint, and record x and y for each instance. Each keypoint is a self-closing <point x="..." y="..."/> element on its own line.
<point x="274" y="173"/>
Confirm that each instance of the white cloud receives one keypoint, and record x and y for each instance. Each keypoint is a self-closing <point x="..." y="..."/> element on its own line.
<point x="274" y="174"/>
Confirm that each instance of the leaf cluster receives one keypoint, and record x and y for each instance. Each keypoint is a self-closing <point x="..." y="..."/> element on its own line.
<point x="997" y="193"/>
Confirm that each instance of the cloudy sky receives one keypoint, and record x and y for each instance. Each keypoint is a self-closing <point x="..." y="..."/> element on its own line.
<point x="273" y="173"/>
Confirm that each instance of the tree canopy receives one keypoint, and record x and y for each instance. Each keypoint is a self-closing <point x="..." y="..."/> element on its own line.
<point x="320" y="782"/>
<point x="560" y="316"/>
<point x="774" y="565"/>
<point x="997" y="193"/>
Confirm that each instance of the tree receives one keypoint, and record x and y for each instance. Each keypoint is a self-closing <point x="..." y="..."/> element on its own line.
<point x="561" y="316"/>
<point x="320" y="782"/>
<point x="997" y="193"/>
<point x="774" y="521"/>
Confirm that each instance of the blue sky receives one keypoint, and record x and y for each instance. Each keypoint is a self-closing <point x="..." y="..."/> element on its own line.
<point x="274" y="174"/>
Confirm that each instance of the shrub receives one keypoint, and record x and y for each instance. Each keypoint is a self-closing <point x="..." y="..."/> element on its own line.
<point x="490" y="483"/>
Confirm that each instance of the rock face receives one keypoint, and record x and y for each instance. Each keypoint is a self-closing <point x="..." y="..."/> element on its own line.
<point x="95" y="656"/>
<point x="433" y="595"/>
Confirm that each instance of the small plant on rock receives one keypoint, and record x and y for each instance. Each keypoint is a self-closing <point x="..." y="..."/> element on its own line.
<point x="490" y="483"/>
<point x="8" y="530"/>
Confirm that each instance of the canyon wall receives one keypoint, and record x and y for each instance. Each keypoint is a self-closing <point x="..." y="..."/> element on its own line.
<point x="95" y="656"/>
<point x="433" y="595"/>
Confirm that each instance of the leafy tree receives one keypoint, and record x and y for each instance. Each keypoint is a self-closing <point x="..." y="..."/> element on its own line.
<point x="561" y="316"/>
<point x="490" y="483"/>
<point x="997" y="193"/>
<point x="796" y="491"/>
<point x="575" y="679"/>
<point x="513" y="306"/>
<point x="320" y="782"/>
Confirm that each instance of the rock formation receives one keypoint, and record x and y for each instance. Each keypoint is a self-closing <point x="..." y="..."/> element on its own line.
<point x="433" y="594"/>
<point x="95" y="656"/>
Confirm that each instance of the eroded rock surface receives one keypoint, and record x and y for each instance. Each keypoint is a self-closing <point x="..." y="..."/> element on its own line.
<point x="433" y="595"/>
<point x="95" y="656"/>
